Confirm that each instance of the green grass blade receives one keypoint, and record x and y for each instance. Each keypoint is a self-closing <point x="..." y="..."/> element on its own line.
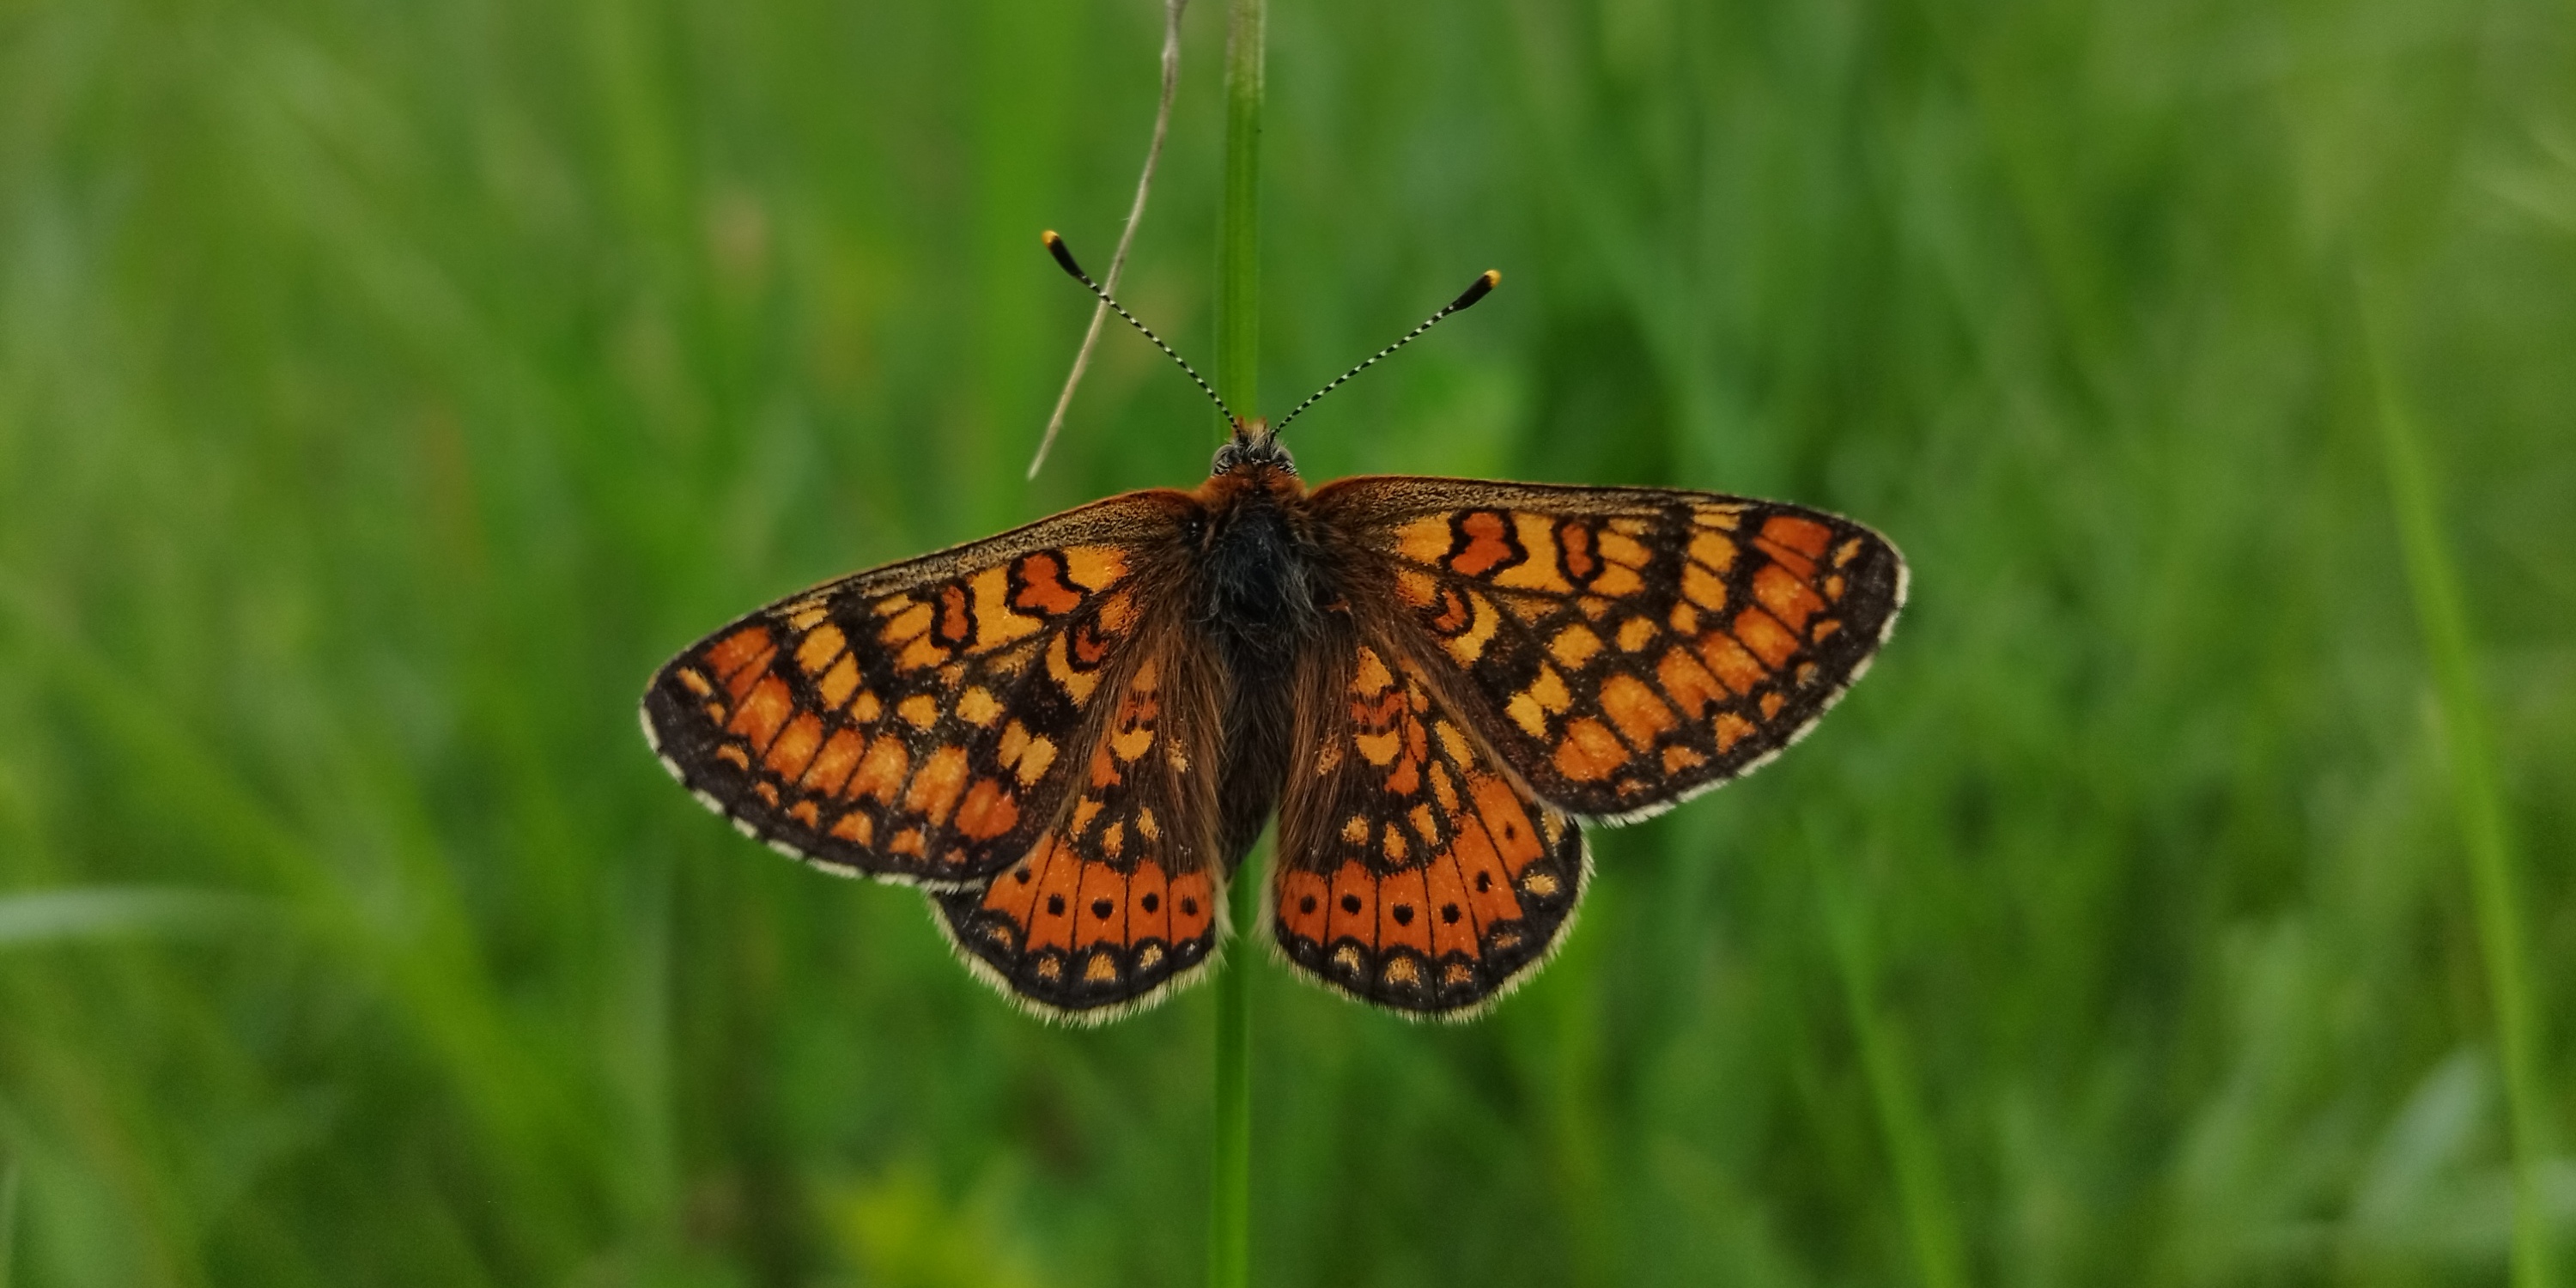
<point x="2476" y="795"/>
<point x="80" y="913"/>
<point x="8" y="1221"/>
<point x="1931" y="1224"/>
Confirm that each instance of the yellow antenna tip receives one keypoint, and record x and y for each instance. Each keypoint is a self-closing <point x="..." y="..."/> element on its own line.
<point x="1493" y="276"/>
<point x="1048" y="238"/>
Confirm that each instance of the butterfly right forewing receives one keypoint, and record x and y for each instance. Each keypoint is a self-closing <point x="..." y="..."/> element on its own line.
<point x="1621" y="648"/>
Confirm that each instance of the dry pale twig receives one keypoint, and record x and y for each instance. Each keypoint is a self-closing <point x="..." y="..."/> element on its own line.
<point x="1136" y="212"/>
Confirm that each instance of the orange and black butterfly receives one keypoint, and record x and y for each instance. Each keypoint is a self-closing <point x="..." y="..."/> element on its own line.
<point x="1072" y="733"/>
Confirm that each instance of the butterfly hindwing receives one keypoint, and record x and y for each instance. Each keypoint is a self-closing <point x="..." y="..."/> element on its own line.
<point x="1621" y="648"/>
<point x="1122" y="900"/>
<point x="924" y="721"/>
<point x="1412" y="872"/>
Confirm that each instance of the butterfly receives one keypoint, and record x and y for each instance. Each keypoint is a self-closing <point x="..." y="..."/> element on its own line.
<point x="1070" y="735"/>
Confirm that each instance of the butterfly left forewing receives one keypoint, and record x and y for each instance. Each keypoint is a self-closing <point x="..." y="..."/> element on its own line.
<point x="1412" y="871"/>
<point x="921" y="722"/>
<point x="1122" y="900"/>
<point x="1620" y="648"/>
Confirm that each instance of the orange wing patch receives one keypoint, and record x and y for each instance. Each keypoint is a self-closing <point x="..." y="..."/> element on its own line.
<point x="1413" y="873"/>
<point x="1624" y="648"/>
<point x="908" y="723"/>
<point x="1117" y="903"/>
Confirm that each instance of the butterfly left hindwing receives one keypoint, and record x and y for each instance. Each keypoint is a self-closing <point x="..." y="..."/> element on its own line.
<point x="1123" y="899"/>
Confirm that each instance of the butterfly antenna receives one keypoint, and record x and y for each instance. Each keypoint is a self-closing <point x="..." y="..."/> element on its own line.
<point x="1475" y="291"/>
<point x="1064" y="257"/>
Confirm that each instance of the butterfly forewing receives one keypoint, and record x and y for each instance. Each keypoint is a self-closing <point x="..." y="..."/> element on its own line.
<point x="1412" y="872"/>
<point x="924" y="721"/>
<point x="1122" y="899"/>
<point x="1620" y="648"/>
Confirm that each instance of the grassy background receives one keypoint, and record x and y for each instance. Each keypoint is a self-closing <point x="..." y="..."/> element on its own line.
<point x="385" y="389"/>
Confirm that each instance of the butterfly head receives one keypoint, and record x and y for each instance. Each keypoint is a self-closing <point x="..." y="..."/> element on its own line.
<point x="1253" y="453"/>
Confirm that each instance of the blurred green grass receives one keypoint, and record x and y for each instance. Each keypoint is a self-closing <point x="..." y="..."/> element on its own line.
<point x="385" y="389"/>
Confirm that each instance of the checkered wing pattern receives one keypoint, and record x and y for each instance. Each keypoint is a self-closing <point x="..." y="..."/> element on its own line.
<point x="1122" y="900"/>
<point x="1620" y="649"/>
<point x="1413" y="872"/>
<point x="927" y="721"/>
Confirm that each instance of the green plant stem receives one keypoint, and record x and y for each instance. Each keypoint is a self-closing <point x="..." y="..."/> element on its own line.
<point x="1238" y="292"/>
<point x="1230" y="1185"/>
<point x="1238" y="356"/>
<point x="8" y="1217"/>
<point x="2479" y="802"/>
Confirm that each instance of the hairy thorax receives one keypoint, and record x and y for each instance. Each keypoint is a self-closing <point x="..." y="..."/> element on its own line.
<point x="1263" y="590"/>
<point x="1261" y="572"/>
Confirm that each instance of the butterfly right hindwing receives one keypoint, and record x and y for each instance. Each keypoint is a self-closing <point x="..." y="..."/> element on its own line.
<point x="1412" y="872"/>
